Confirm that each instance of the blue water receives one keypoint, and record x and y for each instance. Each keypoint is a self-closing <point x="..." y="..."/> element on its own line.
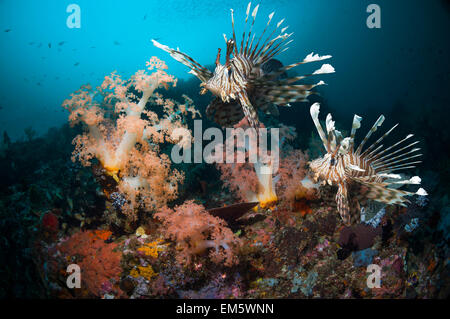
<point x="406" y="60"/>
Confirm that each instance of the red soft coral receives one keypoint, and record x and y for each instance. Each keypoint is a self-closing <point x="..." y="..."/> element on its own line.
<point x="99" y="262"/>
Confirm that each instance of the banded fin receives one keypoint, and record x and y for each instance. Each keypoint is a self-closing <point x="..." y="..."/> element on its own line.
<point x="342" y="204"/>
<point x="196" y="69"/>
<point x="383" y="163"/>
<point x="324" y="69"/>
<point x="375" y="126"/>
<point x="377" y="142"/>
<point x="249" y="110"/>
<point x="314" y="111"/>
<point x="387" y="163"/>
<point x="269" y="47"/>
<point x="281" y="94"/>
<point x="355" y="125"/>
<point x="379" y="191"/>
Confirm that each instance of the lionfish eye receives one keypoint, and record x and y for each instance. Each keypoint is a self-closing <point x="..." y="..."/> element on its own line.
<point x="332" y="161"/>
<point x="230" y="70"/>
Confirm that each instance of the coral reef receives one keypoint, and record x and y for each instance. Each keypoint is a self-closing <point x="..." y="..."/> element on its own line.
<point x="231" y="230"/>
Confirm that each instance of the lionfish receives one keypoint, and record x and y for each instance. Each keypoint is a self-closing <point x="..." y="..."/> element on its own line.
<point x="247" y="82"/>
<point x="372" y="168"/>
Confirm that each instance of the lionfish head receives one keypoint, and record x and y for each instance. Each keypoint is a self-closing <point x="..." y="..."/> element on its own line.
<point x="221" y="83"/>
<point x="335" y="144"/>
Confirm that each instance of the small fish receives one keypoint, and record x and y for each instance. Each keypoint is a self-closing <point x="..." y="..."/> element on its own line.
<point x="242" y="81"/>
<point x="30" y="43"/>
<point x="8" y="30"/>
<point x="61" y="43"/>
<point x="92" y="47"/>
<point x="76" y="64"/>
<point x="371" y="169"/>
<point x="49" y="45"/>
<point x="145" y="17"/>
<point x="116" y="43"/>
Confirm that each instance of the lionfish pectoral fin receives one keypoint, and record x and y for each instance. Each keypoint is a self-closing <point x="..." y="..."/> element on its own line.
<point x="379" y="192"/>
<point x="342" y="204"/>
<point x="249" y="110"/>
<point x="196" y="68"/>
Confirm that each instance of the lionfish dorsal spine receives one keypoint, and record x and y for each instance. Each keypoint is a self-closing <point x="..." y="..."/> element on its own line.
<point x="252" y="54"/>
<point x="314" y="111"/>
<point x="356" y="124"/>
<point x="377" y="159"/>
<point x="368" y="156"/>
<point x="375" y="126"/>
<point x="396" y="159"/>
<point x="245" y="26"/>
<point x="254" y="13"/>
<point x="234" y="34"/>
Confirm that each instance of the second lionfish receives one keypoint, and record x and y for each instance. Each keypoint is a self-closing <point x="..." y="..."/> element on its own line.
<point x="372" y="169"/>
<point x="251" y="79"/>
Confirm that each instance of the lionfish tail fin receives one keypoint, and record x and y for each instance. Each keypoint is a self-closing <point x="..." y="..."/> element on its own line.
<point x="195" y="68"/>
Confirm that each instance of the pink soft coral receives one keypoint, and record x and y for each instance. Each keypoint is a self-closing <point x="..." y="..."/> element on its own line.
<point x="125" y="137"/>
<point x="196" y="231"/>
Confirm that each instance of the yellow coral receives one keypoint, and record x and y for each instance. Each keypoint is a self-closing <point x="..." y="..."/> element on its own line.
<point x="151" y="249"/>
<point x="141" y="271"/>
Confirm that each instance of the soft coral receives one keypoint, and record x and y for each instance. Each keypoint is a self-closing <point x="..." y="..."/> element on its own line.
<point x="196" y="231"/>
<point x="125" y="137"/>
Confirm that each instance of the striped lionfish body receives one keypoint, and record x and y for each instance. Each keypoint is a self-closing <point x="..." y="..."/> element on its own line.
<point x="372" y="168"/>
<point x="244" y="84"/>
